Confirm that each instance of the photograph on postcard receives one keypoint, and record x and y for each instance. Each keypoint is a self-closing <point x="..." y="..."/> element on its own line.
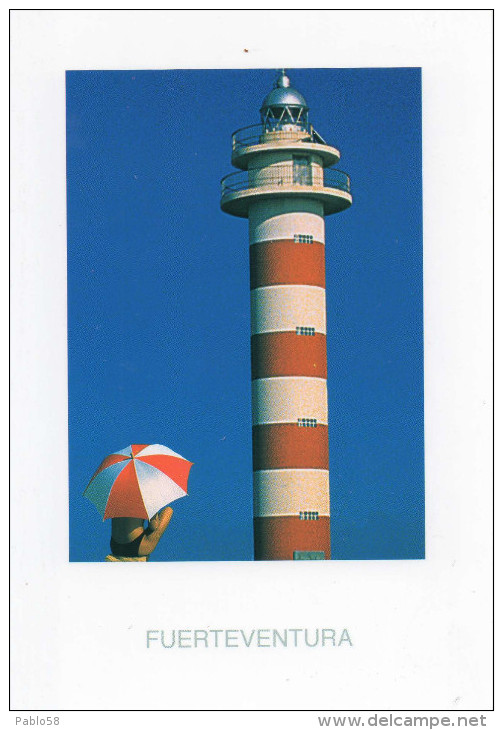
<point x="245" y="389"/>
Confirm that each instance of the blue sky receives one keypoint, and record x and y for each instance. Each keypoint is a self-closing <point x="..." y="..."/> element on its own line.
<point x="158" y="301"/>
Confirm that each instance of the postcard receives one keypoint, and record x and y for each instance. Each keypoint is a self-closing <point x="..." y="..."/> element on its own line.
<point x="241" y="319"/>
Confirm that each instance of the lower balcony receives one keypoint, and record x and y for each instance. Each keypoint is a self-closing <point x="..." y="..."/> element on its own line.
<point x="330" y="186"/>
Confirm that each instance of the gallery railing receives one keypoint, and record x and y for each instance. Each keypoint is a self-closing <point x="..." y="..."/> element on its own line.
<point x="286" y="175"/>
<point x="257" y="134"/>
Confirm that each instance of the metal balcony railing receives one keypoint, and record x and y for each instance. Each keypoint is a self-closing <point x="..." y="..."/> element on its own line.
<point x="285" y="175"/>
<point x="256" y="134"/>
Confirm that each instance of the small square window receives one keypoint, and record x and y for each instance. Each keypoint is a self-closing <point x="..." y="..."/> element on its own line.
<point x="302" y="238"/>
<point x="309" y="331"/>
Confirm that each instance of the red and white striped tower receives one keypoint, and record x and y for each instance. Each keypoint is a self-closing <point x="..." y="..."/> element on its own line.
<point x="285" y="189"/>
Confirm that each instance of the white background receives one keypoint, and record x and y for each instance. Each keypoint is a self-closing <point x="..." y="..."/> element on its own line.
<point x="422" y="630"/>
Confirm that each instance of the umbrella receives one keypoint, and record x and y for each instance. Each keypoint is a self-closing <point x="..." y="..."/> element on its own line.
<point x="138" y="481"/>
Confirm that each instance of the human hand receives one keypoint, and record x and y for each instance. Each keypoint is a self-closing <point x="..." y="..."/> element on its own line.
<point x="164" y="515"/>
<point x="156" y="527"/>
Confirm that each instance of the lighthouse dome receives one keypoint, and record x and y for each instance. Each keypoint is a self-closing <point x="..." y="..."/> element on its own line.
<point x="283" y="95"/>
<point x="284" y="108"/>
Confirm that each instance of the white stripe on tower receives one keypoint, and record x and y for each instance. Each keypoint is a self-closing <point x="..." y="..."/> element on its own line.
<point x="288" y="399"/>
<point x="283" y="308"/>
<point x="283" y="492"/>
<point x="285" y="219"/>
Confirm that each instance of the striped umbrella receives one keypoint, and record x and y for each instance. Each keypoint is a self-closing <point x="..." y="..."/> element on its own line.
<point x="138" y="481"/>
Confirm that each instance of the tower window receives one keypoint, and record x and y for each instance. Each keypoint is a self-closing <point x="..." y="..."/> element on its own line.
<point x="305" y="331"/>
<point x="302" y="238"/>
<point x="307" y="422"/>
<point x="308" y="515"/>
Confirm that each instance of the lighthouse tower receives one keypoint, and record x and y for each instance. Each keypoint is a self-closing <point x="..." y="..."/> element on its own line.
<point x="285" y="187"/>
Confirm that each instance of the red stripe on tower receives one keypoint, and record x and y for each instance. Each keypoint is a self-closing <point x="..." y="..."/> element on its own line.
<point x="287" y="353"/>
<point x="287" y="262"/>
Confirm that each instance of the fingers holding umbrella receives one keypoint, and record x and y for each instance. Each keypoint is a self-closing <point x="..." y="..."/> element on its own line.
<point x="155" y="530"/>
<point x="161" y="519"/>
